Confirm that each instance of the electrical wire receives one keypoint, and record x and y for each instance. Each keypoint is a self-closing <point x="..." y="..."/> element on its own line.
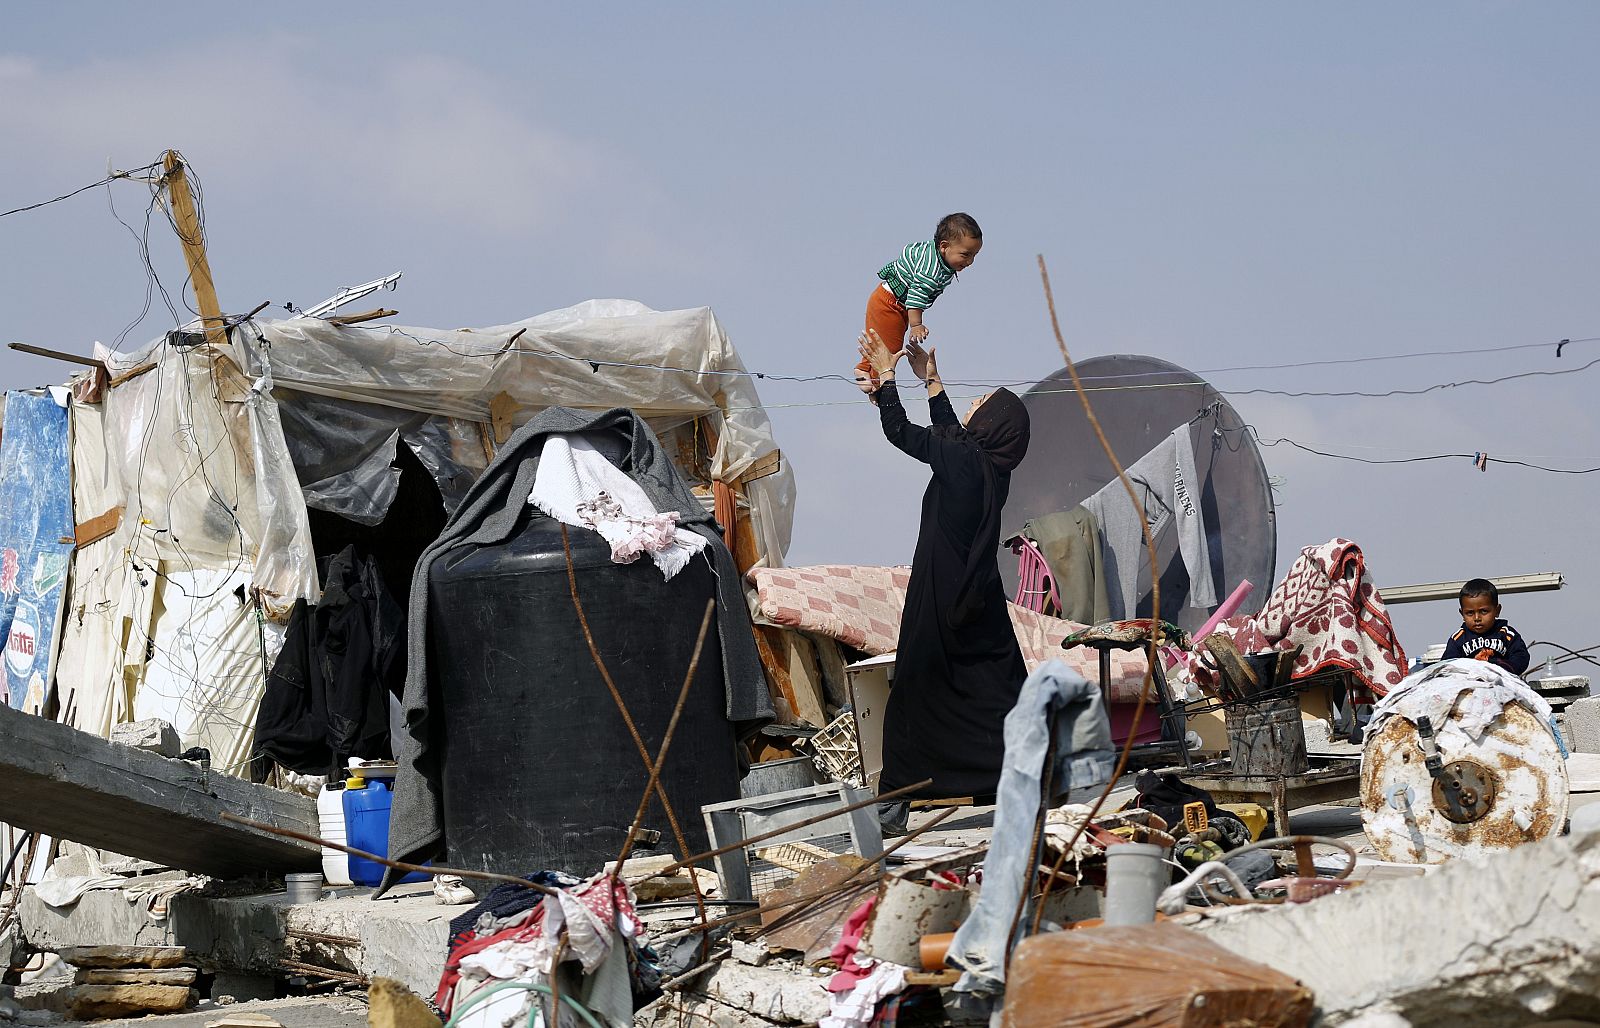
<point x="597" y="363"/>
<point x="81" y="189"/>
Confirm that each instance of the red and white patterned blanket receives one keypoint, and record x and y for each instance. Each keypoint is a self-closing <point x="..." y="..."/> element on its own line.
<point x="860" y="606"/>
<point x="1328" y="605"/>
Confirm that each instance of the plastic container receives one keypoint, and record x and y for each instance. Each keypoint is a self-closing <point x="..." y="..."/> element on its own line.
<point x="538" y="769"/>
<point x="1135" y="876"/>
<point x="366" y="815"/>
<point x="330" y="822"/>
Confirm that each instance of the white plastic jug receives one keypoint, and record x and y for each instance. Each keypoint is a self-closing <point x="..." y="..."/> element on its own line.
<point x="330" y="818"/>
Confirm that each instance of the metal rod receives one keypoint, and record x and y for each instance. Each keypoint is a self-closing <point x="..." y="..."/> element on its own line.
<point x="333" y="940"/>
<point x="627" y="716"/>
<point x="324" y="972"/>
<point x="666" y="738"/>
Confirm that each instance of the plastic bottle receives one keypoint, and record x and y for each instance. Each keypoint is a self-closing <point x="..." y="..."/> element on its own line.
<point x="331" y="826"/>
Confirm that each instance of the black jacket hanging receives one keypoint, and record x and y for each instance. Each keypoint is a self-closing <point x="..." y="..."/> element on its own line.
<point x="327" y="698"/>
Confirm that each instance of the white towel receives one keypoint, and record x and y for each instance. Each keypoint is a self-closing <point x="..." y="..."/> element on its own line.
<point x="577" y="486"/>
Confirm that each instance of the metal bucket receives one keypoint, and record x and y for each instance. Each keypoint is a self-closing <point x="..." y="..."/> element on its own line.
<point x="1267" y="738"/>
<point x="779" y="776"/>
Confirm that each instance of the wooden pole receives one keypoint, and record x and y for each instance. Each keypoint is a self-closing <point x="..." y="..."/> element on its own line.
<point x="194" y="247"/>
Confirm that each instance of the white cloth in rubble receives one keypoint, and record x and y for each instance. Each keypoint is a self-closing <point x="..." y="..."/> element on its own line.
<point x="578" y="486"/>
<point x="66" y="890"/>
<point x="855" y="1008"/>
<point x="1476" y="690"/>
<point x="508" y="960"/>
<point x="1063" y="824"/>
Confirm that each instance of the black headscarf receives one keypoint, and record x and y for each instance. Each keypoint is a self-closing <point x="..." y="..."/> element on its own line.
<point x="1001" y="429"/>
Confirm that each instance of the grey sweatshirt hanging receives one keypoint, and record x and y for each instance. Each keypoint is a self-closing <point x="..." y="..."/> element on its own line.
<point x="1166" y="483"/>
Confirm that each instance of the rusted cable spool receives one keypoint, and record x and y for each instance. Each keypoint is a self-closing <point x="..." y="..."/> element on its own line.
<point x="1505" y="788"/>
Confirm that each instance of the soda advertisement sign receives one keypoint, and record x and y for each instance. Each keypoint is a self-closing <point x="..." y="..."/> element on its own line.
<point x="35" y="518"/>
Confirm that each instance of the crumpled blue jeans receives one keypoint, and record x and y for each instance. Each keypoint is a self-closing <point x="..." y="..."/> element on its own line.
<point x="1084" y="757"/>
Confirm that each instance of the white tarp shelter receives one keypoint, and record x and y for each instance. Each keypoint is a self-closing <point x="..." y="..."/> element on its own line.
<point x="195" y="477"/>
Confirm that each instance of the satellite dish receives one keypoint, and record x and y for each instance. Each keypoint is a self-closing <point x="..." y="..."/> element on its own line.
<point x="1139" y="401"/>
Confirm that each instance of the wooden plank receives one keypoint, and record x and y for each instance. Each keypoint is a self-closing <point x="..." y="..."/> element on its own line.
<point x="356" y="319"/>
<point x="97" y="528"/>
<point x="502" y="408"/>
<point x="766" y="466"/>
<point x="70" y="358"/>
<point x="193" y="240"/>
<point x="805" y="680"/>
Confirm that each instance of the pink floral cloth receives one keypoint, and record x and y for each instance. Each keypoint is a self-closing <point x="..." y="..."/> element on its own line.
<point x="1328" y="605"/>
<point x="860" y="606"/>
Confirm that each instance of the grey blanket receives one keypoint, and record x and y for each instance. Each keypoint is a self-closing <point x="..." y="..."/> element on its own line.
<point x="488" y="515"/>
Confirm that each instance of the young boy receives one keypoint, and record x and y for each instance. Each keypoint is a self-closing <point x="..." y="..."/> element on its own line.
<point x="1483" y="636"/>
<point x="912" y="281"/>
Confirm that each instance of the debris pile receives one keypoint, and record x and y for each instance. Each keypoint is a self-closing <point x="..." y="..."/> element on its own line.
<point x="129" y="981"/>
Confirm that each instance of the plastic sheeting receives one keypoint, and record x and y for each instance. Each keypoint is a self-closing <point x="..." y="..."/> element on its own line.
<point x="204" y="673"/>
<point x="594" y="356"/>
<point x="199" y="456"/>
<point x="215" y="456"/>
<point x="88" y="678"/>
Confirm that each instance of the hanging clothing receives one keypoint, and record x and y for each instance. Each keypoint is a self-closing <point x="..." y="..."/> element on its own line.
<point x="1069" y="540"/>
<point x="327" y="698"/>
<point x="1169" y="492"/>
<point x="957" y="667"/>
<point x="1056" y="698"/>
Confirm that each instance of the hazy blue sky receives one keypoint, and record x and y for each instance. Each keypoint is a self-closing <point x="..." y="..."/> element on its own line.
<point x="1214" y="184"/>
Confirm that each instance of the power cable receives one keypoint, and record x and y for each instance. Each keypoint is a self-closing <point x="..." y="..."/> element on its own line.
<point x="81" y="189"/>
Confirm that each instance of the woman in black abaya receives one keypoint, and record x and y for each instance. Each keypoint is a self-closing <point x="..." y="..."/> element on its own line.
<point x="957" y="668"/>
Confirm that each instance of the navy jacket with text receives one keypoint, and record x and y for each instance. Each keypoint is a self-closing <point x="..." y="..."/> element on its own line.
<point x="1502" y="642"/>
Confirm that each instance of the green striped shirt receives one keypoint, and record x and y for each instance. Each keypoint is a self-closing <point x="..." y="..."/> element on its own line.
<point x="918" y="275"/>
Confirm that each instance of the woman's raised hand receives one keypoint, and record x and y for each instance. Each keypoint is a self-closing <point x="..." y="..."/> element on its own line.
<point x="877" y="352"/>
<point x="923" y="363"/>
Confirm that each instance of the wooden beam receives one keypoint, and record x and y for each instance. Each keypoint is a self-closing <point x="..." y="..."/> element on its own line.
<point x="70" y="358"/>
<point x="356" y="319"/>
<point x="187" y="219"/>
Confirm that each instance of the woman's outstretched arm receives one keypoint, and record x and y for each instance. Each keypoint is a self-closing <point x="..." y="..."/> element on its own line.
<point x="925" y="366"/>
<point x="913" y="440"/>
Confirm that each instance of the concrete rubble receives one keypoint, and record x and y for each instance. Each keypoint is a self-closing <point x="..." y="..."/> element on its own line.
<point x="1511" y="940"/>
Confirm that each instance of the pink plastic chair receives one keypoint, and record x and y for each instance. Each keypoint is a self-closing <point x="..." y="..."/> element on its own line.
<point x="1035" y="588"/>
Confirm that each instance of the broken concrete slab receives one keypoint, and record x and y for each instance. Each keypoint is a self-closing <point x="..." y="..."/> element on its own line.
<point x="123" y="956"/>
<point x="905" y="912"/>
<point x="302" y="1012"/>
<point x="69" y="784"/>
<point x="152" y="735"/>
<point x="675" y="1011"/>
<point x="1511" y="939"/>
<point x="771" y="993"/>
<point x="402" y="936"/>
<point x="93" y="1002"/>
<point x="1583" y="724"/>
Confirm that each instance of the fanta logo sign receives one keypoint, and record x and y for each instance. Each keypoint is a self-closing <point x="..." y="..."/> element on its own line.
<point x="23" y="640"/>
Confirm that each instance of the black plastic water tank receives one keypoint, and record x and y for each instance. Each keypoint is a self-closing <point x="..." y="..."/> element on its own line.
<point x="539" y="769"/>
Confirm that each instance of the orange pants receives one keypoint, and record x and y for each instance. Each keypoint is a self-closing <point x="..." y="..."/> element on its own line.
<point x="888" y="316"/>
